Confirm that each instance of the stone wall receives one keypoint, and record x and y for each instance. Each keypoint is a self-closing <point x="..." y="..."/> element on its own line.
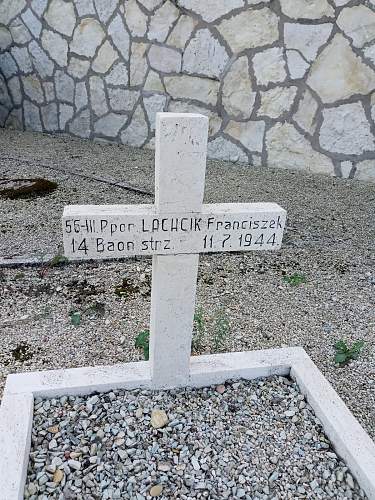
<point x="286" y="83"/>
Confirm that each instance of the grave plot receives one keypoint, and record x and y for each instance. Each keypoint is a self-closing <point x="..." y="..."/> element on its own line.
<point x="180" y="169"/>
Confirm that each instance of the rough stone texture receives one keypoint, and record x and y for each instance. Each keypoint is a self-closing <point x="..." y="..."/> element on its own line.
<point x="306" y="9"/>
<point x="261" y="29"/>
<point x="365" y="170"/>
<point x="306" y="38"/>
<point x="56" y="46"/>
<point x="358" y="23"/>
<point x="346" y="130"/>
<point x="269" y="66"/>
<point x="287" y="148"/>
<point x="291" y="65"/>
<point x="306" y="113"/>
<point x="277" y="101"/>
<point x="60" y="16"/>
<point x="192" y="87"/>
<point x="249" y="134"/>
<point x="237" y="95"/>
<point x="205" y="55"/>
<point x="164" y="59"/>
<point x="224" y="149"/>
<point x="210" y="10"/>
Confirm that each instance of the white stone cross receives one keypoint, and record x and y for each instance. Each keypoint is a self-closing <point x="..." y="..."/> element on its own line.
<point x="175" y="230"/>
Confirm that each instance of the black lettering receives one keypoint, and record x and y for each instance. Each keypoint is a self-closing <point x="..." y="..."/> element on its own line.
<point x="144" y="229"/>
<point x="167" y="244"/>
<point x="99" y="245"/>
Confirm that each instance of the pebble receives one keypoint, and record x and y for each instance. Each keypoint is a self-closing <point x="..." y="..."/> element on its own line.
<point x="186" y="444"/>
<point x="159" y="419"/>
<point x="220" y="389"/>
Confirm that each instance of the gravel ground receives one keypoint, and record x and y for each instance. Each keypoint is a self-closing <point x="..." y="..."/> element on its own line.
<point x="330" y="241"/>
<point x="247" y="440"/>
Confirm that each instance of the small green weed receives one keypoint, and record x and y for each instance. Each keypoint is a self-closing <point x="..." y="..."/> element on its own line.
<point x="221" y="331"/>
<point x="344" y="353"/>
<point x="295" y="279"/>
<point x="199" y="329"/>
<point x="142" y="341"/>
<point x="75" y="318"/>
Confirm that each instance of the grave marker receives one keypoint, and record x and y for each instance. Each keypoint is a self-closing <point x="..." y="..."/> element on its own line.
<point x="175" y="230"/>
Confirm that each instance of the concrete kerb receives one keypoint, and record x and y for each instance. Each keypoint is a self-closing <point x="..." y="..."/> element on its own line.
<point x="347" y="436"/>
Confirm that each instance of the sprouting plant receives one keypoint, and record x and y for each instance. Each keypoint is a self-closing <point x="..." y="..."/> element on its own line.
<point x="57" y="259"/>
<point x="221" y="331"/>
<point x="198" y="332"/>
<point x="142" y="341"/>
<point x="295" y="279"/>
<point x="75" y="318"/>
<point x="344" y="353"/>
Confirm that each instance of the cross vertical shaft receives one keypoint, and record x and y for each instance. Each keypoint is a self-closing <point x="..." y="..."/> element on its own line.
<point x="180" y="167"/>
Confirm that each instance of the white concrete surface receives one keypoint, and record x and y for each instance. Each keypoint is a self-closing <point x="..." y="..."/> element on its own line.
<point x="347" y="436"/>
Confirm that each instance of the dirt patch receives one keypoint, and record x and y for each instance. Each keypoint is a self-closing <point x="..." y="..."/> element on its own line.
<point x="26" y="188"/>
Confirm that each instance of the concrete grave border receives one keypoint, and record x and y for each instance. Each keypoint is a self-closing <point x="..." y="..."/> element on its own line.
<point x="347" y="436"/>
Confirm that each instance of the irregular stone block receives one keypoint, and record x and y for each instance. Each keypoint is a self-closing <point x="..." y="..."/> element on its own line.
<point x="31" y="117"/>
<point x="61" y="17"/>
<point x="277" y="101"/>
<point x="269" y="66"/>
<point x="297" y="65"/>
<point x="192" y="87"/>
<point x="306" y="38"/>
<point x="64" y="87"/>
<point x="121" y="99"/>
<point x="154" y="104"/>
<point x="80" y="126"/>
<point x="345" y="130"/>
<point x="4" y="94"/>
<point x="39" y="6"/>
<point x="19" y="32"/>
<point x="42" y="63"/>
<point x="205" y="55"/>
<point x="210" y="10"/>
<point x="49" y="91"/>
<point x="110" y="124"/>
<point x="118" y="75"/>
<point x="262" y="28"/>
<point x="33" y="88"/>
<point x="22" y="58"/>
<point x="88" y="35"/>
<point x="80" y="99"/>
<point x="287" y="148"/>
<point x="238" y="97"/>
<point x="306" y="9"/>
<point x="137" y="132"/>
<point x="8" y="65"/>
<point x="223" y="149"/>
<point x="162" y="21"/>
<point x="14" y="87"/>
<point x="164" y="59"/>
<point x="151" y="5"/>
<point x="85" y="7"/>
<point x="5" y="38"/>
<point x="138" y="63"/>
<point x="78" y="68"/>
<point x="32" y="22"/>
<point x="56" y="46"/>
<point x="50" y="117"/>
<point x="358" y="23"/>
<point x="98" y="99"/>
<point x="9" y="9"/>
<point x="120" y="36"/>
<point x="153" y="82"/>
<point x="249" y="134"/>
<point x="306" y="113"/>
<point x="182" y="32"/>
<point x="136" y="20"/>
<point x="105" y="9"/>
<point x="339" y="73"/>
<point x="65" y="114"/>
<point x="365" y="170"/>
<point x="105" y="58"/>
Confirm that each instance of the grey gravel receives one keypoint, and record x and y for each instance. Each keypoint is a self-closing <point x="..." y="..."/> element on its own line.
<point x="216" y="446"/>
<point x="330" y="240"/>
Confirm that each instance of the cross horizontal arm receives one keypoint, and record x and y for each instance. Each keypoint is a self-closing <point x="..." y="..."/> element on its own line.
<point x="116" y="231"/>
